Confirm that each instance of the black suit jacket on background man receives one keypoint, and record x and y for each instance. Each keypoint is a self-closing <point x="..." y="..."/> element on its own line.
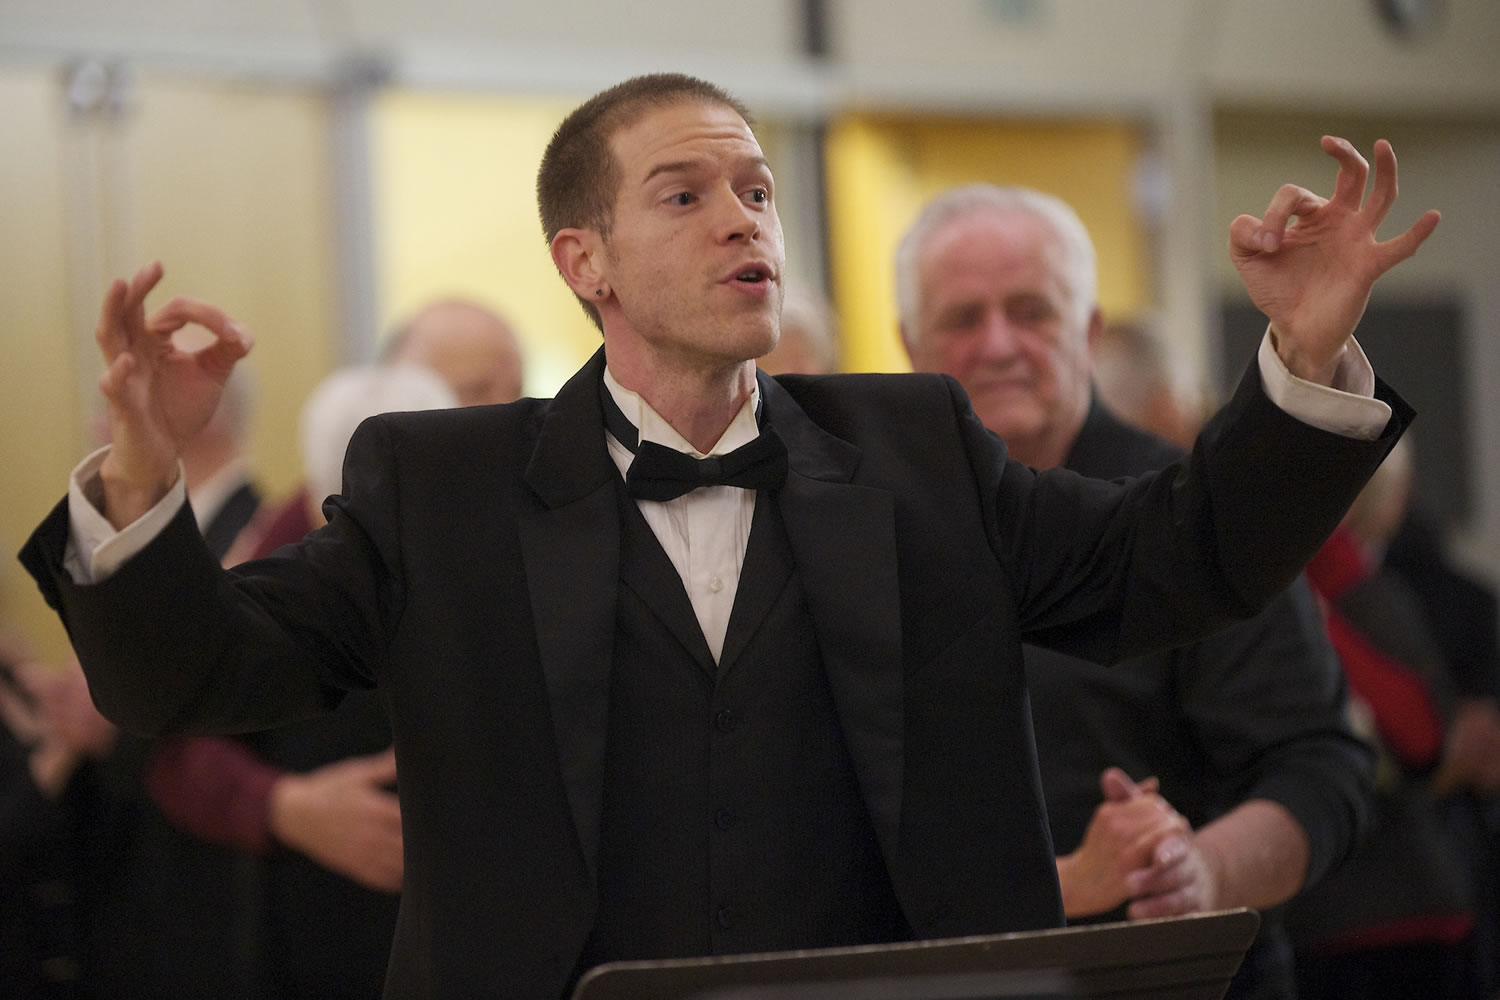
<point x="471" y="572"/>
<point x="1256" y="711"/>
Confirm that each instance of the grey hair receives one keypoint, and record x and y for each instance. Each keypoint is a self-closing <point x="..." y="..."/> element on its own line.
<point x="1072" y="236"/>
<point x="807" y="315"/>
<point x="344" y="399"/>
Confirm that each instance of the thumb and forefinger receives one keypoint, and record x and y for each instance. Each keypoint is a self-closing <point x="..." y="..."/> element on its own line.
<point x="231" y="342"/>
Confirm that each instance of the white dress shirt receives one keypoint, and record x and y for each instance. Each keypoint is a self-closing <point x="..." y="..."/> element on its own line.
<point x="704" y="532"/>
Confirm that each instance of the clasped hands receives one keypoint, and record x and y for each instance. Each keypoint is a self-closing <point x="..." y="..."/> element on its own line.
<point x="1137" y="849"/>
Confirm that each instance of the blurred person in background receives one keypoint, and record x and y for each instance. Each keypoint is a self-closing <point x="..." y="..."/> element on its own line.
<point x="55" y="827"/>
<point x="472" y="348"/>
<point x="311" y="807"/>
<point x="1217" y="775"/>
<point x="1137" y="380"/>
<point x="170" y="905"/>
<point x="1398" y="919"/>
<point x="1465" y="618"/>
<point x="809" y="337"/>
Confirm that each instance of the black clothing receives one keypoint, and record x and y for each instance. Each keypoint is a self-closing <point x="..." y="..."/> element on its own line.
<point x="1255" y="712"/>
<point x="473" y="572"/>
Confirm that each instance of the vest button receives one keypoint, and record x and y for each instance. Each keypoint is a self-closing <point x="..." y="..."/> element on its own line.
<point x="727" y="916"/>
<point x="723" y="819"/>
<point x="726" y="721"/>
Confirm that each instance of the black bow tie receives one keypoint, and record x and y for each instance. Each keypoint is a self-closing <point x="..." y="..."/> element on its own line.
<point x="662" y="473"/>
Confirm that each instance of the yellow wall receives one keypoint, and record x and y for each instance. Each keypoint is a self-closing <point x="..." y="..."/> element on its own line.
<point x="229" y="188"/>
<point x="882" y="169"/>
<point x="40" y="432"/>
<point x="455" y="214"/>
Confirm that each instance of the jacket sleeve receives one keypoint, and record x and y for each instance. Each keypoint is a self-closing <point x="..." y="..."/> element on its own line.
<point x="174" y="644"/>
<point x="1109" y="570"/>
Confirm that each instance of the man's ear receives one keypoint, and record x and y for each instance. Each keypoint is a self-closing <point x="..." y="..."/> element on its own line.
<point x="908" y="343"/>
<point x="1096" y="328"/>
<point x="578" y="254"/>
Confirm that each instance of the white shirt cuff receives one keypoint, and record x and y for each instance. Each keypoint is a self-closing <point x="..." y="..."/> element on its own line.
<point x="95" y="549"/>
<point x="1348" y="407"/>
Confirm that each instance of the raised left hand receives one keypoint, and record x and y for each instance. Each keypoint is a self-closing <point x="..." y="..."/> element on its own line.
<point x="1312" y="278"/>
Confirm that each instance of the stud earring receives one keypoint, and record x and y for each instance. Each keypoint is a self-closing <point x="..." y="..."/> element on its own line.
<point x="598" y="291"/>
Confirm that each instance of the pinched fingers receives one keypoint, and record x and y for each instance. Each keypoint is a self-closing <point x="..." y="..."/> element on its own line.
<point x="1266" y="233"/>
<point x="231" y="340"/>
<point x="184" y="310"/>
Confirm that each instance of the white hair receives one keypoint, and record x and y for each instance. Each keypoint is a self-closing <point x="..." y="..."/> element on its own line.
<point x="237" y="402"/>
<point x="1080" y="260"/>
<point x="807" y="317"/>
<point x="344" y="399"/>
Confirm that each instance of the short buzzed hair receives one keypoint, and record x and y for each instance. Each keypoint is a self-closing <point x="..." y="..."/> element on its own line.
<point x="579" y="178"/>
<point x="973" y="199"/>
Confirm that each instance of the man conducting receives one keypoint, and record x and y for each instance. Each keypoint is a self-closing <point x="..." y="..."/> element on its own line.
<point x="1243" y="732"/>
<point x="647" y="705"/>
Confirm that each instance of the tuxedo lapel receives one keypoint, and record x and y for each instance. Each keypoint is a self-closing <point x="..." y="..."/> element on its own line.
<point x="842" y="539"/>
<point x="647" y="570"/>
<point x="571" y="551"/>
<point x="843" y="543"/>
<point x="763" y="577"/>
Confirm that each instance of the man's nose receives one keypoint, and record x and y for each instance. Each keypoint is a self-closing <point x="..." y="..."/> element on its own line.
<point x="997" y="337"/>
<point x="736" y="220"/>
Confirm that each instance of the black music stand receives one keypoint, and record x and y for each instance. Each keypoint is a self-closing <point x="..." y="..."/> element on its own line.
<point x="1175" y="958"/>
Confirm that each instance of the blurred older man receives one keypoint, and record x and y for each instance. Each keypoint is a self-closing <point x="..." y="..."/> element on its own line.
<point x="1244" y="732"/>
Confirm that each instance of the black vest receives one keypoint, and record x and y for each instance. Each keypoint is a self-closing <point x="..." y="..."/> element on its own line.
<point x="732" y="819"/>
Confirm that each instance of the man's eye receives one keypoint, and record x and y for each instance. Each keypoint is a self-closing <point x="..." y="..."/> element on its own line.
<point x="760" y="196"/>
<point x="959" y="319"/>
<point x="1030" y="313"/>
<point x="682" y="198"/>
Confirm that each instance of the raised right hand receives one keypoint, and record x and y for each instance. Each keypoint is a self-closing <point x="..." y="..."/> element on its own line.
<point x="159" y="396"/>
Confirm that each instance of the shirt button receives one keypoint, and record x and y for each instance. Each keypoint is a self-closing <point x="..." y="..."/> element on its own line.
<point x="723" y="819"/>
<point x="727" y="916"/>
<point x="725" y="721"/>
<point x="715" y="585"/>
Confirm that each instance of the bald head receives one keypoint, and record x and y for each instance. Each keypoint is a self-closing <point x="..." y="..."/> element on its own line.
<point x="468" y="346"/>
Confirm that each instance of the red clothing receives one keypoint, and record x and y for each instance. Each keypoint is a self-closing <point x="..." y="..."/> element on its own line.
<point x="1406" y="713"/>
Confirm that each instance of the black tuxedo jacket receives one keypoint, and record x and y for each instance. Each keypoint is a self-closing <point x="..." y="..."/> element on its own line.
<point x="470" y="571"/>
